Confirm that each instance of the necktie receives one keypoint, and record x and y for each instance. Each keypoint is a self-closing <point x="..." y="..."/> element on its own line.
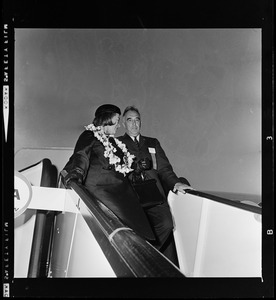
<point x="136" y="141"/>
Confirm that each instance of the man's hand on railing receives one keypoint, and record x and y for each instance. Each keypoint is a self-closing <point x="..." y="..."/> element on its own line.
<point x="182" y="187"/>
<point x="75" y="175"/>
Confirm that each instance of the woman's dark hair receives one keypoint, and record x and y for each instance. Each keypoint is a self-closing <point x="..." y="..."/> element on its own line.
<point x="104" y="119"/>
<point x="105" y="113"/>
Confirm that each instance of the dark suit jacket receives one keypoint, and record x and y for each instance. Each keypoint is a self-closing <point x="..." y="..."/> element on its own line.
<point x="105" y="184"/>
<point x="164" y="174"/>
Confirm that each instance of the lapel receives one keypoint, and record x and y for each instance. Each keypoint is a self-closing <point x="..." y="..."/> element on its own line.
<point x="142" y="141"/>
<point x="128" y="141"/>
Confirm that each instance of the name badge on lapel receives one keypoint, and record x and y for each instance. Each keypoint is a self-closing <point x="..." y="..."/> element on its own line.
<point x="152" y="152"/>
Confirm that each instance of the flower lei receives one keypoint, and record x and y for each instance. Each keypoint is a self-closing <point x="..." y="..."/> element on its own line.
<point x="109" y="152"/>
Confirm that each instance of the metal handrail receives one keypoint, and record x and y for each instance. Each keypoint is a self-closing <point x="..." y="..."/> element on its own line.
<point x="42" y="148"/>
<point x="255" y="209"/>
<point x="129" y="254"/>
<point x="42" y="237"/>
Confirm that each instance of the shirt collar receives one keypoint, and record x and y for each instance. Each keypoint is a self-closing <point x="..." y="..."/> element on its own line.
<point x="138" y="137"/>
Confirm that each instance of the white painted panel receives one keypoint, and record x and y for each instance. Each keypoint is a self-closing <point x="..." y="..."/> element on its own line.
<point x="87" y="258"/>
<point x="23" y="237"/>
<point x="76" y="253"/>
<point x="34" y="174"/>
<point x="187" y="219"/>
<point x="232" y="243"/>
<point x="221" y="240"/>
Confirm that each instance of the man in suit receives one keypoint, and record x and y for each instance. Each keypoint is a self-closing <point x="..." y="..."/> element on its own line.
<point x="153" y="164"/>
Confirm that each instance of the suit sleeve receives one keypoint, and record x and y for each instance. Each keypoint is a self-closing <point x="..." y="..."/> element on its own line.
<point x="165" y="169"/>
<point x="80" y="159"/>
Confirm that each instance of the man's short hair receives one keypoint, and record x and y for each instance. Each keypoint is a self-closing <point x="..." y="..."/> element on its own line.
<point x="131" y="108"/>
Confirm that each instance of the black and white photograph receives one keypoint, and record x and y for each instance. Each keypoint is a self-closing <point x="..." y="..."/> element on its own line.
<point x="138" y="144"/>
